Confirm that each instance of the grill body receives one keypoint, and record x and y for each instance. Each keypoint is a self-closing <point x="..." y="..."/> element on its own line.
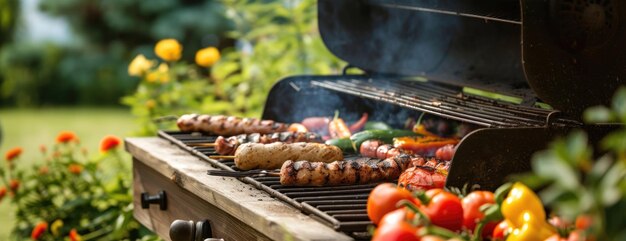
<point x="536" y="50"/>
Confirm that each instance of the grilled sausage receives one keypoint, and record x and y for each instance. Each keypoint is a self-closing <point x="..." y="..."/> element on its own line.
<point x="377" y="149"/>
<point x="228" y="125"/>
<point x="362" y="170"/>
<point x="227" y="146"/>
<point x="272" y="156"/>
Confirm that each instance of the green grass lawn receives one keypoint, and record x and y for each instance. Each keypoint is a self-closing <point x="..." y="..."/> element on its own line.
<point x="30" y="128"/>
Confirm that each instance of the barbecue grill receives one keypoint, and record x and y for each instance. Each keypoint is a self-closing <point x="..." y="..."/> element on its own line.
<point x="425" y="58"/>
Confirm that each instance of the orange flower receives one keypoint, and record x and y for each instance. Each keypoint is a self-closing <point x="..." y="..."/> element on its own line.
<point x="74" y="236"/>
<point x="66" y="136"/>
<point x="109" y="142"/>
<point x="43" y="170"/>
<point x="14" y="184"/>
<point x="75" y="168"/>
<point x="43" y="148"/>
<point x="13" y="153"/>
<point x="3" y="192"/>
<point x="39" y="229"/>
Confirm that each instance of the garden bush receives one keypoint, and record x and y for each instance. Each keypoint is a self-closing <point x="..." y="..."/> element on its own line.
<point x="71" y="193"/>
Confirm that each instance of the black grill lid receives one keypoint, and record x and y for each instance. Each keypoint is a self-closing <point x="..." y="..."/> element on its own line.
<point x="565" y="50"/>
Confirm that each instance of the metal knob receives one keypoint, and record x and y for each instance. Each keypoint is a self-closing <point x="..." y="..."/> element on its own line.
<point x="160" y="198"/>
<point x="181" y="230"/>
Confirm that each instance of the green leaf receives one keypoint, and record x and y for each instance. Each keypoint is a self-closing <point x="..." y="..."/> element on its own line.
<point x="619" y="104"/>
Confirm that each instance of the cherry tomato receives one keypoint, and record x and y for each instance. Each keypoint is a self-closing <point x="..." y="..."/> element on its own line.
<point x="471" y="210"/>
<point x="399" y="232"/>
<point x="395" y="226"/>
<point x="500" y="231"/>
<point x="444" y="209"/>
<point x="383" y="199"/>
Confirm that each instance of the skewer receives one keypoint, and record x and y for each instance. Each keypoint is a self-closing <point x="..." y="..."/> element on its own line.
<point x="202" y="144"/>
<point x="165" y="118"/>
<point x="222" y="157"/>
<point x="224" y="173"/>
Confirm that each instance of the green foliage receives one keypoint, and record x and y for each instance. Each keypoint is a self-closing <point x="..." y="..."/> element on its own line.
<point x="9" y="10"/>
<point x="573" y="184"/>
<point x="70" y="190"/>
<point x="274" y="39"/>
<point x="166" y="90"/>
<point x="92" y="70"/>
<point x="35" y="74"/>
<point x="136" y="23"/>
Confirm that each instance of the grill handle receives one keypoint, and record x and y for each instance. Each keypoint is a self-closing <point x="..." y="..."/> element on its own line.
<point x="160" y="198"/>
<point x="187" y="230"/>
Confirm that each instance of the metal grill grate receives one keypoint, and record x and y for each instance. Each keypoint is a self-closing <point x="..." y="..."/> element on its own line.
<point x="447" y="102"/>
<point x="341" y="207"/>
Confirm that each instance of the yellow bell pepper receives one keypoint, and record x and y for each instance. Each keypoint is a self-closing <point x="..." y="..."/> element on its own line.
<point x="523" y="210"/>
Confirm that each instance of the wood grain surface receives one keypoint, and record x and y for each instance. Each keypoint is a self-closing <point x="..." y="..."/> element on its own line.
<point x="158" y="163"/>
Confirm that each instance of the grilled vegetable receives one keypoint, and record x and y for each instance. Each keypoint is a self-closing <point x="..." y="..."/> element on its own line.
<point x="345" y="144"/>
<point x="316" y="124"/>
<point x="384" y="135"/>
<point x="357" y="126"/>
<point x="421" y="178"/>
<point x="271" y="156"/>
<point x="377" y="125"/>
<point x="337" y="128"/>
<point x="426" y="146"/>
<point x="446" y="152"/>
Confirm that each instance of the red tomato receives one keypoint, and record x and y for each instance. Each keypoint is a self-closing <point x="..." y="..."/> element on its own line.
<point x="383" y="199"/>
<point x="394" y="226"/>
<point x="471" y="210"/>
<point x="444" y="209"/>
<point x="398" y="232"/>
<point x="419" y="178"/>
<point x="500" y="231"/>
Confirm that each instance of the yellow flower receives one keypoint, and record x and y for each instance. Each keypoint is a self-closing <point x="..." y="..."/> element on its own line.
<point x="152" y="77"/>
<point x="168" y="49"/>
<point x="139" y="65"/>
<point x="56" y="225"/>
<point x="164" y="76"/>
<point x="207" y="57"/>
<point x="150" y="104"/>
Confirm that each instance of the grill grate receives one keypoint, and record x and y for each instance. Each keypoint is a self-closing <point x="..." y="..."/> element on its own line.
<point x="447" y="102"/>
<point x="341" y="207"/>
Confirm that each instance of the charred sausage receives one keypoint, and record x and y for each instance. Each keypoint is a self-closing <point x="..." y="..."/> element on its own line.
<point x="272" y="156"/>
<point x="362" y="170"/>
<point x="228" y="125"/>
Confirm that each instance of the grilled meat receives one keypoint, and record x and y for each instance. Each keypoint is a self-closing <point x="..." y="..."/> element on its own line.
<point x="228" y="125"/>
<point x="377" y="149"/>
<point x="362" y="170"/>
<point x="272" y="156"/>
<point x="227" y="146"/>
